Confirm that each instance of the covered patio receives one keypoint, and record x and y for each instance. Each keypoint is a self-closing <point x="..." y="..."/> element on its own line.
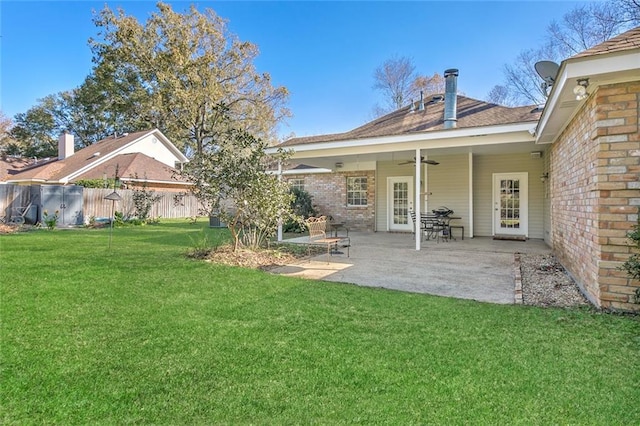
<point x="478" y="268"/>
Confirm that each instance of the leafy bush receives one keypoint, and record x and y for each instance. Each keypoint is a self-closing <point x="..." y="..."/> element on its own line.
<point x="632" y="265"/>
<point x="302" y="206"/>
<point x="143" y="201"/>
<point x="98" y="183"/>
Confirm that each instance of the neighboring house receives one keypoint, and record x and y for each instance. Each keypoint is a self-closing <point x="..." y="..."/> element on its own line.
<point x="143" y="157"/>
<point x="568" y="173"/>
<point x="10" y="165"/>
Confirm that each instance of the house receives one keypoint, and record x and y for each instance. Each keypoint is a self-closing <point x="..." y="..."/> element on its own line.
<point x="567" y="173"/>
<point x="146" y="157"/>
<point x="10" y="165"/>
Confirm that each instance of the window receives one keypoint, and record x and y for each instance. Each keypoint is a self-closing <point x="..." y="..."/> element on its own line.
<point x="356" y="191"/>
<point x="297" y="183"/>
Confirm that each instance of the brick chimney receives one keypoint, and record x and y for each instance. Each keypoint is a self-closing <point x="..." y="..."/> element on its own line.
<point x="450" y="98"/>
<point x="65" y="145"/>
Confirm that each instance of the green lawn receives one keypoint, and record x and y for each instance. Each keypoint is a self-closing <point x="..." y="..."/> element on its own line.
<point x="142" y="334"/>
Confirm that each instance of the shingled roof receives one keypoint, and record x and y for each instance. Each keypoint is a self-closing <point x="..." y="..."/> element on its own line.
<point x="92" y="158"/>
<point x="471" y="113"/>
<point x="9" y="166"/>
<point x="625" y="41"/>
<point x="135" y="165"/>
<point x="58" y="169"/>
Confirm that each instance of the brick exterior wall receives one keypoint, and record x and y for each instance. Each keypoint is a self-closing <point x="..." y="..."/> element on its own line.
<point x="329" y="191"/>
<point x="595" y="194"/>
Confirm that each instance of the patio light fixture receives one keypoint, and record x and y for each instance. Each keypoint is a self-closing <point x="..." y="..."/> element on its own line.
<point x="581" y="89"/>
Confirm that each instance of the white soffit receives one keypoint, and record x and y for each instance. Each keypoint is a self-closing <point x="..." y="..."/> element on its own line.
<point x="508" y="133"/>
<point x="601" y="70"/>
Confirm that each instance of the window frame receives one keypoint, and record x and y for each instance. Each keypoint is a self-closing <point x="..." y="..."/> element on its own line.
<point x="297" y="183"/>
<point x="362" y="194"/>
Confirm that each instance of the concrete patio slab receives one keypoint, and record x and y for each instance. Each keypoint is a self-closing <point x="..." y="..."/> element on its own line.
<point x="479" y="268"/>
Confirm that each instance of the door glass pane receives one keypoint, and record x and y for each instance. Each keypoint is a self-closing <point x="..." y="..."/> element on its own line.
<point x="510" y="204"/>
<point x="400" y="203"/>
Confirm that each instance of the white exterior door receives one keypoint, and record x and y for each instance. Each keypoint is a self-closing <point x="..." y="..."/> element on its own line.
<point x="510" y="204"/>
<point x="400" y="201"/>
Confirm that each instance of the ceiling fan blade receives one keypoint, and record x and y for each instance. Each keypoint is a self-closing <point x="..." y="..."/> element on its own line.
<point x="422" y="160"/>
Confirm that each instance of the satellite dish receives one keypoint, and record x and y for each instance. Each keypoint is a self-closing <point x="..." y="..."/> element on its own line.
<point x="548" y="71"/>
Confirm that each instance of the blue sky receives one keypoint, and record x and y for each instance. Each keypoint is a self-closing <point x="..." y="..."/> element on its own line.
<point x="323" y="52"/>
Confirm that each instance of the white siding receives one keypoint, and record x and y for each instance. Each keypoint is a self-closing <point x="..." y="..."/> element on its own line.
<point x="483" y="169"/>
<point x="154" y="148"/>
<point x="448" y="185"/>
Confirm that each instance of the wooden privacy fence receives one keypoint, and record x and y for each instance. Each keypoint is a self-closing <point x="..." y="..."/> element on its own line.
<point x="12" y="199"/>
<point x="170" y="205"/>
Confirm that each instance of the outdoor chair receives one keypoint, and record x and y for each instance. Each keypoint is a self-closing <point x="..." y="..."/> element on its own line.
<point x="435" y="227"/>
<point x="317" y="227"/>
<point x="423" y="229"/>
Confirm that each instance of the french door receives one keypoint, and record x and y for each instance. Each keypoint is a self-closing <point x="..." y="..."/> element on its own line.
<point x="510" y="204"/>
<point x="400" y="201"/>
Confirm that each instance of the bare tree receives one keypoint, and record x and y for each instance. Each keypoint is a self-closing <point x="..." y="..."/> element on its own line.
<point x="579" y="29"/>
<point x="400" y="84"/>
<point x="585" y="26"/>
<point x="428" y="85"/>
<point x="630" y="10"/>
<point x="499" y="95"/>
<point x="8" y="145"/>
<point x="394" y="79"/>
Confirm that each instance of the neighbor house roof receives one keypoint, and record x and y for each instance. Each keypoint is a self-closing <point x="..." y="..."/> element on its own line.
<point x="470" y="113"/>
<point x="135" y="166"/>
<point x="90" y="162"/>
<point x="11" y="165"/>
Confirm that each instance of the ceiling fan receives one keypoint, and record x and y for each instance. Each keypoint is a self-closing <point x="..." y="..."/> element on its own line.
<point x="422" y="160"/>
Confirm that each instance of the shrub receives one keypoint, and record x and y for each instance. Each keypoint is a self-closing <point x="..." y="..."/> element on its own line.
<point x="143" y="200"/>
<point x="632" y="265"/>
<point x="50" y="220"/>
<point x="302" y="206"/>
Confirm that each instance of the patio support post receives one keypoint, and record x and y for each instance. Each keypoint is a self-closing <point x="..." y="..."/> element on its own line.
<point x="416" y="203"/>
<point x="470" y="231"/>
<point x="280" y="216"/>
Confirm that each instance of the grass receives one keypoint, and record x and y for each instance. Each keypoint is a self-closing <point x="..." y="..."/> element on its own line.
<point x="142" y="334"/>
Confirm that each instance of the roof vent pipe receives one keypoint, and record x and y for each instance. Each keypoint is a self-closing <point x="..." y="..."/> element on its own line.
<point x="421" y="106"/>
<point x="450" y="98"/>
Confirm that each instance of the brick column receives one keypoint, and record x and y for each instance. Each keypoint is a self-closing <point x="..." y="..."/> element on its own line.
<point x="618" y="182"/>
<point x="595" y="194"/>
